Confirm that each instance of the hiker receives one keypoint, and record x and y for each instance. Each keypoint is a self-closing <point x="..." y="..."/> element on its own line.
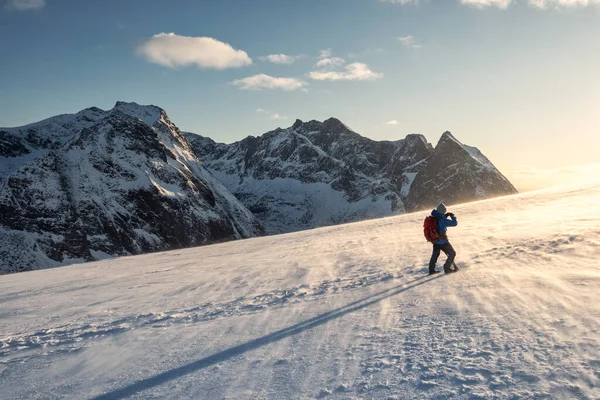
<point x="441" y="243"/>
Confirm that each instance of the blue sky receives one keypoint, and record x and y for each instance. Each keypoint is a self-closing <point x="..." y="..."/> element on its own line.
<point x="518" y="79"/>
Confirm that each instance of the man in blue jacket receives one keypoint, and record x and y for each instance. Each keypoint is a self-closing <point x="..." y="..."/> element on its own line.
<point x="442" y="244"/>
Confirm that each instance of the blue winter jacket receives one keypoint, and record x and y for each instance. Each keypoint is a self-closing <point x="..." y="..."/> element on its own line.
<point x="443" y="224"/>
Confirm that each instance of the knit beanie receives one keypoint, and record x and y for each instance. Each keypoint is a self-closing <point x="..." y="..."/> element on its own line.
<point x="441" y="208"/>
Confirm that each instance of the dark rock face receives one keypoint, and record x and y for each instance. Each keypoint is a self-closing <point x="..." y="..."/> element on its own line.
<point x="11" y="146"/>
<point x="320" y="173"/>
<point x="456" y="173"/>
<point x="314" y="173"/>
<point x="97" y="184"/>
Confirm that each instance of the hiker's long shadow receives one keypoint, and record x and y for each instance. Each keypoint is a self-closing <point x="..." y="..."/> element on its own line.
<point x="256" y="343"/>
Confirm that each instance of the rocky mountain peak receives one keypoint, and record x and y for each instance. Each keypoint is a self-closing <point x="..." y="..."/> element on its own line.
<point x="107" y="183"/>
<point x="297" y="124"/>
<point x="148" y="114"/>
<point x="416" y="140"/>
<point x="448" y="141"/>
<point x="456" y="173"/>
<point x="334" y="125"/>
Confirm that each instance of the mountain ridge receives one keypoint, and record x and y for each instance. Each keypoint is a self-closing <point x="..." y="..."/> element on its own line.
<point x="106" y="183"/>
<point x="380" y="174"/>
<point x="96" y="184"/>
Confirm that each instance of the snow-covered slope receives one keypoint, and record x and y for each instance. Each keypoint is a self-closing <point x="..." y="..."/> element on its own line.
<point x="107" y="183"/>
<point x="321" y="173"/>
<point x="343" y="312"/>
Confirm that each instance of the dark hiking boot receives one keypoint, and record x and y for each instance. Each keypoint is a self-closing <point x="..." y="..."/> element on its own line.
<point x="434" y="272"/>
<point x="450" y="270"/>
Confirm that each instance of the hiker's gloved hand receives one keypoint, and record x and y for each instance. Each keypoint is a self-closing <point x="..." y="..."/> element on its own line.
<point x="450" y="215"/>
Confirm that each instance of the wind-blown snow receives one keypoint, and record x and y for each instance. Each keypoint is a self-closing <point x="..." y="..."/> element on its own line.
<point x="344" y="312"/>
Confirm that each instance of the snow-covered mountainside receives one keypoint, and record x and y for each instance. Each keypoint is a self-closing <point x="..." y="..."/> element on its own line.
<point x="106" y="183"/>
<point x="321" y="173"/>
<point x="343" y="312"/>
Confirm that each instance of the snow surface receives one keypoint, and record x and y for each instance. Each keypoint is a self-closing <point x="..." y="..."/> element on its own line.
<point x="343" y="312"/>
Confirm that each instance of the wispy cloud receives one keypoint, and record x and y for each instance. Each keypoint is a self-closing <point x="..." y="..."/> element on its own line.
<point x="330" y="62"/>
<point x="271" y="114"/>
<point x="327" y="64"/>
<point x="171" y="50"/>
<point x="487" y="3"/>
<point x="263" y="81"/>
<point x="409" y="42"/>
<point x="280" y="58"/>
<point x="562" y="3"/>
<point x="353" y="72"/>
<point x="392" y="122"/>
<point x="25" y="5"/>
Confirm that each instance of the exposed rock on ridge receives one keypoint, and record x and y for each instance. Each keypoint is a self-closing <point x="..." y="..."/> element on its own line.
<point x="107" y="183"/>
<point x="320" y="173"/>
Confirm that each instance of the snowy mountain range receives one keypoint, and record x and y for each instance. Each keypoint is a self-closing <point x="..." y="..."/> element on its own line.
<point x="97" y="184"/>
<point x="100" y="183"/>
<point x="321" y="173"/>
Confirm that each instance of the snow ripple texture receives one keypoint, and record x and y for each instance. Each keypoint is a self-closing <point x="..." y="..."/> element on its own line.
<point x="344" y="312"/>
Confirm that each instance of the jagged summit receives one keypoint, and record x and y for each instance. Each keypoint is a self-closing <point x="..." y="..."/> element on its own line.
<point x="458" y="173"/>
<point x="97" y="184"/>
<point x="149" y="114"/>
<point x="334" y="124"/>
<point x="55" y="131"/>
<point x="447" y="139"/>
<point x="318" y="173"/>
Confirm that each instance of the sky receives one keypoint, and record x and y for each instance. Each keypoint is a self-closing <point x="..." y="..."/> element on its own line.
<point x="518" y="79"/>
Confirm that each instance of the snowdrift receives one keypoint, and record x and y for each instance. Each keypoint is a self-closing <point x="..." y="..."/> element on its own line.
<point x="344" y="312"/>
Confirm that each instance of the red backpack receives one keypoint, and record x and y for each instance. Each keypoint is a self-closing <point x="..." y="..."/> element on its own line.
<point x="430" y="229"/>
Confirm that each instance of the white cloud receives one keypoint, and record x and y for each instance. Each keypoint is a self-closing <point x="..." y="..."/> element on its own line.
<point x="409" y="42"/>
<point x="271" y="114"/>
<point x="25" y="5"/>
<point x="487" y="3"/>
<point x="263" y="81"/>
<point x="353" y="72"/>
<point x="330" y="62"/>
<point x="171" y="50"/>
<point x="392" y="122"/>
<point x="562" y="3"/>
<point x="280" y="58"/>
